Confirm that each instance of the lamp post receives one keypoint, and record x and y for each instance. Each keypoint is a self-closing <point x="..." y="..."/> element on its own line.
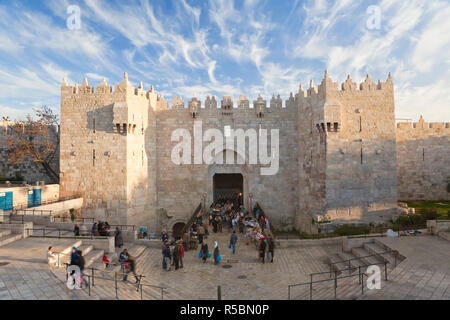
<point x="250" y="195"/>
<point x="204" y="200"/>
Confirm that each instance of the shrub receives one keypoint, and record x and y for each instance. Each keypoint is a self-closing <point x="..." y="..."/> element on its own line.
<point x="352" y="230"/>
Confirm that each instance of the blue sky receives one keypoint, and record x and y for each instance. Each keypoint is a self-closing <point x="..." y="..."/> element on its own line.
<point x="188" y="47"/>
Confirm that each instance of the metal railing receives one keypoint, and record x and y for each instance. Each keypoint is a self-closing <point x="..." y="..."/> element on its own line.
<point x="139" y="285"/>
<point x="378" y="254"/>
<point x="34" y="212"/>
<point x="24" y="205"/>
<point x="191" y="220"/>
<point x="75" y="220"/>
<point x="336" y="279"/>
<point x="123" y="227"/>
<point x="61" y="234"/>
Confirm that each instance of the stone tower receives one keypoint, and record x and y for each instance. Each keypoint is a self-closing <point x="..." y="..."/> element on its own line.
<point x="108" y="150"/>
<point x="347" y="152"/>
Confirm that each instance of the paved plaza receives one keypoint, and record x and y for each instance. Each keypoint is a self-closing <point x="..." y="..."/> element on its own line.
<point x="425" y="274"/>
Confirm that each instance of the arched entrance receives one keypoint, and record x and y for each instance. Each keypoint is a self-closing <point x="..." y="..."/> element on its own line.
<point x="228" y="186"/>
<point x="177" y="230"/>
<point x="236" y="174"/>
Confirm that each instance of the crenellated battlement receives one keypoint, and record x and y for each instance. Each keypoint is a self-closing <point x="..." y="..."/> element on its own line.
<point x="327" y="86"/>
<point x="104" y="88"/>
<point x="422" y="125"/>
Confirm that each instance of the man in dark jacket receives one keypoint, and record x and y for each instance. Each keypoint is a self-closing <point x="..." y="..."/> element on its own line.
<point x="262" y="249"/>
<point x="80" y="262"/>
<point x="167" y="256"/>
<point x="233" y="241"/>
<point x="76" y="230"/>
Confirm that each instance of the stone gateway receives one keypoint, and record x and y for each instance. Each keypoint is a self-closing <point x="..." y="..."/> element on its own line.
<point x="340" y="151"/>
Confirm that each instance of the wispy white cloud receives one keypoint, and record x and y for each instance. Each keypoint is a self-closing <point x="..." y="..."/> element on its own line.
<point x="226" y="47"/>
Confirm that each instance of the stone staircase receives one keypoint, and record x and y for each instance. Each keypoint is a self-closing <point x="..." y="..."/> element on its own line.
<point x="370" y="253"/>
<point x="346" y="265"/>
<point x="6" y="237"/>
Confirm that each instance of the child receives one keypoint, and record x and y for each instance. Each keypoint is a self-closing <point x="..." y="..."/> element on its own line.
<point x="105" y="261"/>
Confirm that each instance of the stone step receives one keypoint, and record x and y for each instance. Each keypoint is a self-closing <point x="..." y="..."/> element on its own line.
<point x="85" y="249"/>
<point x="363" y="255"/>
<point x="374" y="248"/>
<point x="354" y="261"/>
<point x="93" y="257"/>
<point x="64" y="257"/>
<point x="4" y="233"/>
<point x="10" y="238"/>
<point x="337" y="263"/>
<point x="444" y="235"/>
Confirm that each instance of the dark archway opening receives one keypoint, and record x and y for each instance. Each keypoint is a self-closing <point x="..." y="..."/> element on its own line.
<point x="228" y="186"/>
<point x="177" y="230"/>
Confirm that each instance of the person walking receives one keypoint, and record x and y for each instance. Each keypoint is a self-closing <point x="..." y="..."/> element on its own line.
<point x="73" y="255"/>
<point x="233" y="241"/>
<point x="200" y="234"/>
<point x="271" y="248"/>
<point x="204" y="252"/>
<point x="176" y="255"/>
<point x="181" y="254"/>
<point x="216" y="252"/>
<point x="132" y="266"/>
<point x="262" y="249"/>
<point x="118" y="238"/>
<point x="81" y="264"/>
<point x="76" y="230"/>
<point x="167" y="256"/>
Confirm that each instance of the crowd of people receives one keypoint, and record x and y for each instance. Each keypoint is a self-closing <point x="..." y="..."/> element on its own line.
<point x="229" y="214"/>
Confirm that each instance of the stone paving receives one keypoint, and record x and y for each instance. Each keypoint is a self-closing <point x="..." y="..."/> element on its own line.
<point x="27" y="275"/>
<point x="248" y="278"/>
<point x="424" y="275"/>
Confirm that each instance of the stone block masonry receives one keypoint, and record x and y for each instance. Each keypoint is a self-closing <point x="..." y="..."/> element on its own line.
<point x="423" y="160"/>
<point x="338" y="156"/>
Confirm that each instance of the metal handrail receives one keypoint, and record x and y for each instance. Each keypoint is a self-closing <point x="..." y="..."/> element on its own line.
<point x="89" y="236"/>
<point x="336" y="278"/>
<point x="93" y="277"/>
<point x="358" y="258"/>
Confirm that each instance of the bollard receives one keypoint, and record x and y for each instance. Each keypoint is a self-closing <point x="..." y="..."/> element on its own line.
<point x="219" y="293"/>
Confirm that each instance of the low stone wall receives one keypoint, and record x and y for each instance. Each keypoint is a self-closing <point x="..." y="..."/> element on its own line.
<point x="40" y="220"/>
<point x="295" y="243"/>
<point x="4" y="217"/>
<point x="436" y="226"/>
<point x="18" y="228"/>
<point x="128" y="235"/>
<point x="106" y="244"/>
<point x="62" y="206"/>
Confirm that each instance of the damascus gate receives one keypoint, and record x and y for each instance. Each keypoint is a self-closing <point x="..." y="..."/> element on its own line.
<point x="331" y="152"/>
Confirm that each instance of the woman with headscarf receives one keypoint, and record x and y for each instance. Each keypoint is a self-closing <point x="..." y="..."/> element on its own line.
<point x="216" y="252"/>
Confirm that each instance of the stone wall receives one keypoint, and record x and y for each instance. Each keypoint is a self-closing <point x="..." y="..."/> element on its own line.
<point x="337" y="153"/>
<point x="180" y="187"/>
<point x="423" y="160"/>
